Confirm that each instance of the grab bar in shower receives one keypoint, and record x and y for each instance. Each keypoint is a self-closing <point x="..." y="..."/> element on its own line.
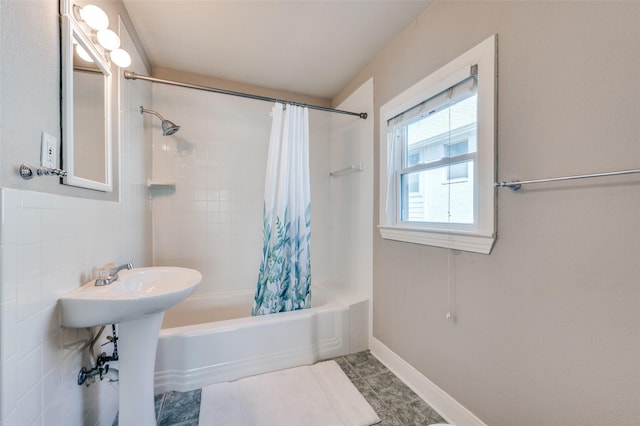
<point x="351" y="169"/>
<point x="516" y="185"/>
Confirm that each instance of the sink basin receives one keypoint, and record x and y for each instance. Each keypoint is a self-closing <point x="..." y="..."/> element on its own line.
<point x="137" y="293"/>
<point x="136" y="301"/>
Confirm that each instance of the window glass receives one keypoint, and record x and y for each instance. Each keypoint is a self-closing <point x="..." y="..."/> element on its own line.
<point x="438" y="139"/>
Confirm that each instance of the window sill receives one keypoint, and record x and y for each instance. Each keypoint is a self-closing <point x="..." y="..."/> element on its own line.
<point x="465" y="242"/>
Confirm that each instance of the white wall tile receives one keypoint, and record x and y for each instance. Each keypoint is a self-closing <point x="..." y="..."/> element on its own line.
<point x="50" y="225"/>
<point x="29" y="298"/>
<point x="30" y="332"/>
<point x="30" y="405"/>
<point x="29" y="226"/>
<point x="28" y="261"/>
<point x="10" y="419"/>
<point x="30" y="368"/>
<point x="8" y="329"/>
<point x="8" y="219"/>
<point x="52" y="413"/>
<point x="8" y="387"/>
<point x="51" y="256"/>
<point x="8" y="272"/>
<point x="52" y="356"/>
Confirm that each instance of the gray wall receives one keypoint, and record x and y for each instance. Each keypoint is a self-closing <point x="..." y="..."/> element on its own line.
<point x="547" y="328"/>
<point x="29" y="86"/>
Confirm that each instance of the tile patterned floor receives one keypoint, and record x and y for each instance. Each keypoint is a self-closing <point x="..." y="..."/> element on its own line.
<point x="393" y="401"/>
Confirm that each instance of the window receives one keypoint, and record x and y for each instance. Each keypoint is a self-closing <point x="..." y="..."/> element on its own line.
<point x="435" y="139"/>
<point x="437" y="156"/>
<point x="457" y="172"/>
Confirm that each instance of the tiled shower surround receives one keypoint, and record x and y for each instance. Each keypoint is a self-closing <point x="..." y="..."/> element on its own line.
<point x="212" y="220"/>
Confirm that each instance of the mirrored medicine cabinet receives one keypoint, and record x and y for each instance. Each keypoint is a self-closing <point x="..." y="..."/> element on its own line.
<point x="86" y="107"/>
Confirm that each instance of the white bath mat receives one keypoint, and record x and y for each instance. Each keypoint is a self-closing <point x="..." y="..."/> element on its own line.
<point x="317" y="395"/>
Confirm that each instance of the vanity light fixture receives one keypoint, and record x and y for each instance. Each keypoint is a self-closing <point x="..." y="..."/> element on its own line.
<point x="98" y="22"/>
<point x="94" y="17"/>
<point x="108" y="39"/>
<point x="121" y="58"/>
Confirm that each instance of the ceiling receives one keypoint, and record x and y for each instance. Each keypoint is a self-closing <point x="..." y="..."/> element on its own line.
<point x="311" y="47"/>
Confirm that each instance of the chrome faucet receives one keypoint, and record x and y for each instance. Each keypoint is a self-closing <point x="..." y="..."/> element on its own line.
<point x="108" y="275"/>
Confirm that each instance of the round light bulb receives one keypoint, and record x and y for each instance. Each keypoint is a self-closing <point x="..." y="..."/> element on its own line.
<point x="95" y="17"/>
<point x="108" y="39"/>
<point x="83" y="54"/>
<point x="121" y="58"/>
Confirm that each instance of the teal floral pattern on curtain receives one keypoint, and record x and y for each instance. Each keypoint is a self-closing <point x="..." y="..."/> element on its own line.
<point x="284" y="278"/>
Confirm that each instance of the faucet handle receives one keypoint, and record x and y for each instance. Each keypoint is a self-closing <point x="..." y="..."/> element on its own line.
<point x="109" y="267"/>
<point x="103" y="276"/>
<point x="103" y="273"/>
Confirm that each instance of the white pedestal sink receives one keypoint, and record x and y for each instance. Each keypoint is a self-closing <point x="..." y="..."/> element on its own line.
<point x="136" y="301"/>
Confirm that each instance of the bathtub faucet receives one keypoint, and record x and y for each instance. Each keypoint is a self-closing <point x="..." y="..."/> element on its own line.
<point x="109" y="273"/>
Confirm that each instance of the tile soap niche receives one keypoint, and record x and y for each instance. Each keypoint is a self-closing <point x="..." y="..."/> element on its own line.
<point x="160" y="187"/>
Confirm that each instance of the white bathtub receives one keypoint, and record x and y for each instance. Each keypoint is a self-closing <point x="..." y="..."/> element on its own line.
<point x="212" y="338"/>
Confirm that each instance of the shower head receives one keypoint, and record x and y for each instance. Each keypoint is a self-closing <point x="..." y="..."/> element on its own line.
<point x="168" y="127"/>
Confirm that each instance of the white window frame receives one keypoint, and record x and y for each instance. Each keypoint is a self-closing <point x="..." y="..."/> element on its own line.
<point x="481" y="236"/>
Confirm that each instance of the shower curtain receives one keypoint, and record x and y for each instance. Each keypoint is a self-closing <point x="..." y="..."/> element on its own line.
<point x="284" y="279"/>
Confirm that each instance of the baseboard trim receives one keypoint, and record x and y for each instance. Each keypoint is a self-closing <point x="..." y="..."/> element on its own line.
<point x="452" y="411"/>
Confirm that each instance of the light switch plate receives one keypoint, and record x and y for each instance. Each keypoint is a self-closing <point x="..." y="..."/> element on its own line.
<point x="49" y="151"/>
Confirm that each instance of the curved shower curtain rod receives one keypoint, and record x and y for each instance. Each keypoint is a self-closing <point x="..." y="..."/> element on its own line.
<point x="129" y="75"/>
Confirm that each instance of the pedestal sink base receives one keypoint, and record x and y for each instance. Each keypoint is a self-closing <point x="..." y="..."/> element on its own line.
<point x="138" y="340"/>
<point x="136" y="301"/>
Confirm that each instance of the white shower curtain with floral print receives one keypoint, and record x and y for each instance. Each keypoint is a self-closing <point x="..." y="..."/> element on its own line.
<point x="284" y="279"/>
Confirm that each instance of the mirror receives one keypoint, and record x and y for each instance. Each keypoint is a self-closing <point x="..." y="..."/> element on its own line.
<point x="86" y="109"/>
